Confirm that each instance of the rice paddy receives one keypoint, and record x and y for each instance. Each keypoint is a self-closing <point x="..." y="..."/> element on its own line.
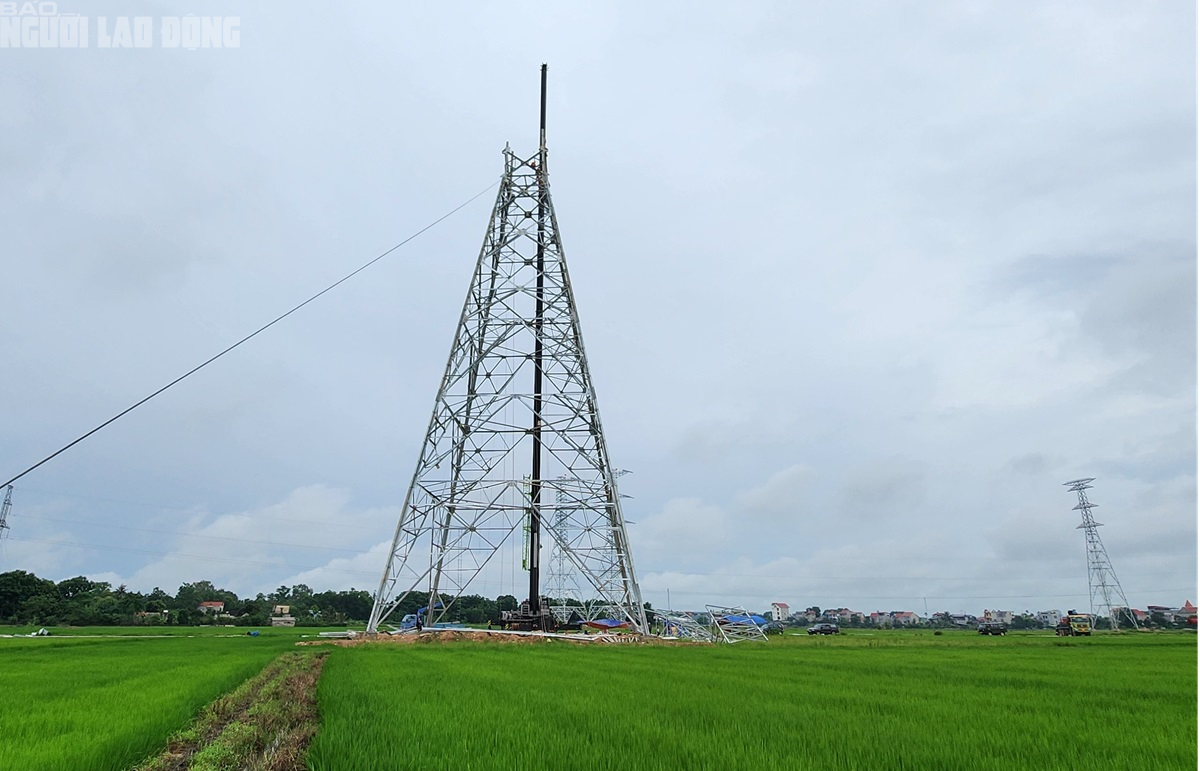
<point x="886" y="701"/>
<point x="882" y="700"/>
<point x="86" y="704"/>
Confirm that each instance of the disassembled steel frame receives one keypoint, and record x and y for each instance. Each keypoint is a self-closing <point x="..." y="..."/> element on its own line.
<point x="734" y="624"/>
<point x="678" y="625"/>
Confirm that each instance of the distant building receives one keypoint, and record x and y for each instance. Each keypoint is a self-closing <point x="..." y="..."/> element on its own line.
<point x="1048" y="617"/>
<point x="779" y="611"/>
<point x="1003" y="616"/>
<point x="1178" y="615"/>
<point x="1162" y="610"/>
<point x="844" y="615"/>
<point x="215" y="608"/>
<point x="281" y="616"/>
<point x="152" y="613"/>
<point x="892" y="618"/>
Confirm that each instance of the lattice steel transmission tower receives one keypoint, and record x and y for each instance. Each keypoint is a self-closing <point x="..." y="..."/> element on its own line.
<point x="1103" y="585"/>
<point x="514" y="452"/>
<point x="7" y="507"/>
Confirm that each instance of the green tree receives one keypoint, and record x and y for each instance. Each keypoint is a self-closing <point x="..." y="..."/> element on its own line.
<point x="42" y="609"/>
<point x="17" y="586"/>
<point x="71" y="588"/>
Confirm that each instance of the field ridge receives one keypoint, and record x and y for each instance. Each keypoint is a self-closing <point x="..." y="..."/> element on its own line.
<point x="265" y="724"/>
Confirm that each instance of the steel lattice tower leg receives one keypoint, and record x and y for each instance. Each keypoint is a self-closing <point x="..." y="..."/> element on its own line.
<point x="1103" y="585"/>
<point x="514" y="450"/>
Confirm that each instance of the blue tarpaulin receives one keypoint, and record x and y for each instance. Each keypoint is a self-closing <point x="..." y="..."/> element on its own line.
<point x="752" y="618"/>
<point x="607" y="623"/>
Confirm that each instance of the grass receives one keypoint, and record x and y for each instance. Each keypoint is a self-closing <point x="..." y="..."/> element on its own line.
<point x="95" y="704"/>
<point x="903" y="699"/>
<point x="263" y="725"/>
<point x="887" y="700"/>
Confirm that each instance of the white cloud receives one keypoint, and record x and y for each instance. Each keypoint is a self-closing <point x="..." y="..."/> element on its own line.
<point x="786" y="496"/>
<point x="252" y="551"/>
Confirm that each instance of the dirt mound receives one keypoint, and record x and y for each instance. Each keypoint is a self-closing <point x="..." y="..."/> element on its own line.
<point x="437" y="637"/>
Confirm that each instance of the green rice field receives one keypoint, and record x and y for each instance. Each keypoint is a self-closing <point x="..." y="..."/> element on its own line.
<point x="886" y="701"/>
<point x="72" y="703"/>
<point x="883" y="700"/>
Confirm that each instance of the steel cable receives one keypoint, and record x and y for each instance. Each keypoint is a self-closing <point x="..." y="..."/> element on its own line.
<point x="253" y="334"/>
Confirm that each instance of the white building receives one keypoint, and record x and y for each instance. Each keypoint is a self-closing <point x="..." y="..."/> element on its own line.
<point x="1048" y="617"/>
<point x="1003" y="616"/>
<point x="779" y="611"/>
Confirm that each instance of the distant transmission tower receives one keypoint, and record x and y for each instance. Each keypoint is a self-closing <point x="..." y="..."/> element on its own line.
<point x="562" y="578"/>
<point x="7" y="507"/>
<point x="1103" y="585"/>
<point x="562" y="583"/>
<point x="514" y="453"/>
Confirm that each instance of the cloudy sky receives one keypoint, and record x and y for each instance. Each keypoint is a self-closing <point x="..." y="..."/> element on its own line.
<point x="862" y="284"/>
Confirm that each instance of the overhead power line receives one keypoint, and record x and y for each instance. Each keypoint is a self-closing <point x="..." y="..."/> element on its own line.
<point x="253" y="334"/>
<point x="202" y="558"/>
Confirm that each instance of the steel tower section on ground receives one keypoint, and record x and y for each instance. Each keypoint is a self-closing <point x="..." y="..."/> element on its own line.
<point x="516" y="388"/>
<point x="734" y="624"/>
<point x="1103" y="585"/>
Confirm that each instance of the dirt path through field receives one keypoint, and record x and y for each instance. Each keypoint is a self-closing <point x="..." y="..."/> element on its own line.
<point x="265" y="724"/>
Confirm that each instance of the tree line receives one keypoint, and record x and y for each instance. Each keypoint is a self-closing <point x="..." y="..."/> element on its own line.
<point x="27" y="599"/>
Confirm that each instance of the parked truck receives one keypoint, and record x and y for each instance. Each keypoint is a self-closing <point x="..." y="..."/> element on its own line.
<point x="1074" y="625"/>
